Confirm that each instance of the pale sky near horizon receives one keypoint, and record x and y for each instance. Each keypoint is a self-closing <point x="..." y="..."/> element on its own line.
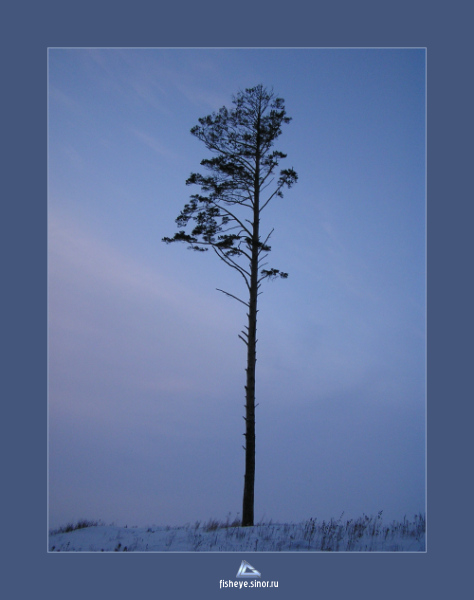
<point x="146" y="372"/>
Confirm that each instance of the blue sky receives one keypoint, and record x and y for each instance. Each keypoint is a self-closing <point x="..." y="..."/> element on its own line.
<point x="146" y="372"/>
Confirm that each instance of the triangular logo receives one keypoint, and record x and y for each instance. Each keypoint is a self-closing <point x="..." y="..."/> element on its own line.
<point x="247" y="570"/>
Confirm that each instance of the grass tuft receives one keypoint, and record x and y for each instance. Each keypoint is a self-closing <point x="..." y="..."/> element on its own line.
<point x="81" y="524"/>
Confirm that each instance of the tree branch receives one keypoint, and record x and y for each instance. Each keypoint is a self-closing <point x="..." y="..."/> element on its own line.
<point x="278" y="189"/>
<point x="235" y="298"/>
<point x="234" y="265"/>
<point x="244" y="341"/>
<point x="232" y="216"/>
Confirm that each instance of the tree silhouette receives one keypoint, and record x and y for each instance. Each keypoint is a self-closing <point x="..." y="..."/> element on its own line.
<point x="239" y="185"/>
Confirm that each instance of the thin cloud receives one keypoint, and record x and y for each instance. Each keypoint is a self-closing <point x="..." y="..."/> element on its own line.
<point x="155" y="81"/>
<point x="64" y="100"/>
<point x="153" y="143"/>
<point x="118" y="329"/>
<point x="75" y="252"/>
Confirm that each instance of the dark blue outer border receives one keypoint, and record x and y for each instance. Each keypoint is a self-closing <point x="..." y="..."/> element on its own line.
<point x="28" y="29"/>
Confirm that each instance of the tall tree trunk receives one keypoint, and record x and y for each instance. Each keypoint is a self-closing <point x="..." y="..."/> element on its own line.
<point x="249" y="481"/>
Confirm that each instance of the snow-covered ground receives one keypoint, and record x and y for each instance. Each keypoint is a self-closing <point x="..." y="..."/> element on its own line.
<point x="366" y="534"/>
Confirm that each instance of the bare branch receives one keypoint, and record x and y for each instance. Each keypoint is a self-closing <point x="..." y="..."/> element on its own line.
<point x="231" y="263"/>
<point x="268" y="236"/>
<point x="232" y="296"/>
<point x="244" y="341"/>
<point x="278" y="189"/>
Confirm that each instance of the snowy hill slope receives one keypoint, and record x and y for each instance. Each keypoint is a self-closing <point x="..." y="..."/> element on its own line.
<point x="366" y="534"/>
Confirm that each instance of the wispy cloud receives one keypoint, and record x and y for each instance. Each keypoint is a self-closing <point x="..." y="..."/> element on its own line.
<point x="75" y="252"/>
<point x="154" y="76"/>
<point x="116" y="322"/>
<point x="153" y="143"/>
<point x="64" y="100"/>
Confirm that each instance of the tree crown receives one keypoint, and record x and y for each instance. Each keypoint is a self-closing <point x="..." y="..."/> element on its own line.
<point x="240" y="172"/>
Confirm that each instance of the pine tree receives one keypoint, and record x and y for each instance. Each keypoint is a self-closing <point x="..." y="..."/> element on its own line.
<point x="240" y="183"/>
